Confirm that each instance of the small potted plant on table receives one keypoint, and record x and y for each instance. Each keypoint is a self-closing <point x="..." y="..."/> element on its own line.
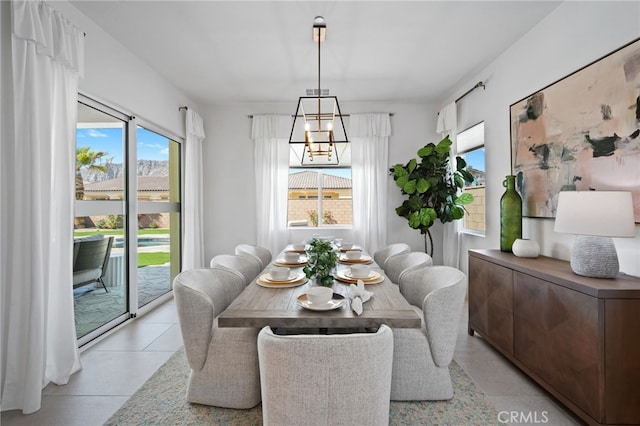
<point x="322" y="261"/>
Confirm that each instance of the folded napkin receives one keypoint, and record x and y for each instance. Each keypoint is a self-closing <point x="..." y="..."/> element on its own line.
<point x="358" y="296"/>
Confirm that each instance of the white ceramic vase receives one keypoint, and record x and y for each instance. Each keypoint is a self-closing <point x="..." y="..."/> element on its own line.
<point x="525" y="248"/>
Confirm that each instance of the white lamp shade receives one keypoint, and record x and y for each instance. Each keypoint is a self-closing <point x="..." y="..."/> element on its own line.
<point x="597" y="213"/>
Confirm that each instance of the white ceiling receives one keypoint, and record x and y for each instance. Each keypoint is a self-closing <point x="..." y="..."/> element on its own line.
<point x="262" y="51"/>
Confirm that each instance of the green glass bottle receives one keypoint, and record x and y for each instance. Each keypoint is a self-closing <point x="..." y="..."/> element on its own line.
<point x="510" y="214"/>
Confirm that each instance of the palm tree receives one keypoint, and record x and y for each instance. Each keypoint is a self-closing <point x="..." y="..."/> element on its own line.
<point x="85" y="158"/>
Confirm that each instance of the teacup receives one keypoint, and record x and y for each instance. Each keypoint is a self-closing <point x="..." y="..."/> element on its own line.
<point x="291" y="257"/>
<point x="279" y="274"/>
<point x="360" y="271"/>
<point x="346" y="245"/>
<point x="353" y="254"/>
<point x="298" y="247"/>
<point x="319" y="295"/>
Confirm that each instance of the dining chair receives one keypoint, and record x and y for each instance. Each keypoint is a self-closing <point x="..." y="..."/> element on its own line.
<point x="398" y="265"/>
<point x="421" y="357"/>
<point x="341" y="379"/>
<point x="243" y="265"/>
<point x="263" y="255"/>
<point x="223" y="360"/>
<point x="382" y="255"/>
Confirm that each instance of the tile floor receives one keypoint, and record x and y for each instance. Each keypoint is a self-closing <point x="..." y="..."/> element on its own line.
<point x="114" y="368"/>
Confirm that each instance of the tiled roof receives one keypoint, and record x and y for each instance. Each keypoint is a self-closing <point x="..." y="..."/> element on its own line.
<point x="309" y="179"/>
<point x="145" y="183"/>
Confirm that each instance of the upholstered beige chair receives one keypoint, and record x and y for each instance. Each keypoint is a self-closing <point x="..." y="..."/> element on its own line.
<point x="223" y="361"/>
<point x="381" y="256"/>
<point x="340" y="379"/>
<point x="243" y="265"/>
<point x="421" y="357"/>
<point x="398" y="265"/>
<point x="262" y="254"/>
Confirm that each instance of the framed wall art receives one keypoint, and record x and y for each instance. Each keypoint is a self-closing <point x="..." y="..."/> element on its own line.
<point x="580" y="133"/>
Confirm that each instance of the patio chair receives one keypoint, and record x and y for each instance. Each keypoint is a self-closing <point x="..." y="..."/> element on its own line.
<point x="261" y="254"/>
<point x="339" y="379"/>
<point x="421" y="356"/>
<point x="90" y="261"/>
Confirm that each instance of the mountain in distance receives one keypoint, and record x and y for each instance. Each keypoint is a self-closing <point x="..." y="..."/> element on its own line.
<point x="114" y="171"/>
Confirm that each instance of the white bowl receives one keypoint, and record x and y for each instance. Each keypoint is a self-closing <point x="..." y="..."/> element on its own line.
<point x="298" y="247"/>
<point x="353" y="254"/>
<point x="360" y="271"/>
<point x="346" y="245"/>
<point x="291" y="257"/>
<point x="319" y="295"/>
<point x="279" y="274"/>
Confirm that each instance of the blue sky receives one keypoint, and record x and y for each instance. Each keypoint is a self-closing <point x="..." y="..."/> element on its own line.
<point x="151" y="146"/>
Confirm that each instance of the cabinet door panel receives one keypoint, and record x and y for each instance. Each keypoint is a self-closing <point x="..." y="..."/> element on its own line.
<point x="478" y="294"/>
<point x="557" y="337"/>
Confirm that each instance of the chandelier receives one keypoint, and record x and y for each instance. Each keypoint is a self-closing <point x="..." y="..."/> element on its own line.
<point x="318" y="134"/>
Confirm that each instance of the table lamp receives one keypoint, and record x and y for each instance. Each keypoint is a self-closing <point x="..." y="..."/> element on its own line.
<point x="595" y="217"/>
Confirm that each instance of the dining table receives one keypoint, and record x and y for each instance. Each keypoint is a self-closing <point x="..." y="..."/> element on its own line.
<point x="285" y="306"/>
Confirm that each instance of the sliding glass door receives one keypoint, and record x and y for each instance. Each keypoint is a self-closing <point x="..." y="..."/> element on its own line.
<point x="127" y="189"/>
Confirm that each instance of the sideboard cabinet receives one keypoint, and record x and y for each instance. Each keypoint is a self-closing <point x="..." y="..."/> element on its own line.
<point x="578" y="337"/>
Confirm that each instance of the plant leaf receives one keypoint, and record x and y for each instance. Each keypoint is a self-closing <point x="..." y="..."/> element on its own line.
<point x="422" y="185"/>
<point x="402" y="181"/>
<point x="464" y="199"/>
<point x="399" y="170"/>
<point x="459" y="181"/>
<point x="426" y="150"/>
<point x="412" y="165"/>
<point x="457" y="213"/>
<point x="460" y="163"/>
<point x="410" y="187"/>
<point x="414" y="220"/>
<point x="443" y="146"/>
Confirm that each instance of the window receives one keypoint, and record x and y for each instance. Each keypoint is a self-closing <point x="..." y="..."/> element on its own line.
<point x="319" y="197"/>
<point x="470" y="146"/>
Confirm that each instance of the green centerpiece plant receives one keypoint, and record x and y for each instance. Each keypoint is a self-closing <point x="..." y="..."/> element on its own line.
<point x="322" y="261"/>
<point x="432" y="188"/>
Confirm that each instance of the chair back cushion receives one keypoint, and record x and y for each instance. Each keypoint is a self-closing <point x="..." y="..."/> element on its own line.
<point x="400" y="264"/>
<point x="340" y="379"/>
<point x="381" y="256"/>
<point x="92" y="254"/>
<point x="260" y="253"/>
<point x="201" y="295"/>
<point x="248" y="268"/>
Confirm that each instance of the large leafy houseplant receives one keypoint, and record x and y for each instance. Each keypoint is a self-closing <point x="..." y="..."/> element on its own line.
<point x="432" y="188"/>
<point x="322" y="260"/>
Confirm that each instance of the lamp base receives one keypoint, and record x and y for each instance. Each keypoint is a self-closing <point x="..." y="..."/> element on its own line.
<point x="594" y="257"/>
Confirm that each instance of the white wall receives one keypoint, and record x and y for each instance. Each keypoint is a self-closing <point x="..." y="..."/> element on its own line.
<point x="230" y="205"/>
<point x="572" y="36"/>
<point x="115" y="76"/>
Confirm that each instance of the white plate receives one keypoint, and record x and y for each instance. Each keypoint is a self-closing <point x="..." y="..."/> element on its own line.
<point x="263" y="283"/>
<point x="372" y="275"/>
<point x="377" y="279"/>
<point x="337" y="301"/>
<point x="362" y="259"/>
<point x="282" y="262"/>
<point x="292" y="277"/>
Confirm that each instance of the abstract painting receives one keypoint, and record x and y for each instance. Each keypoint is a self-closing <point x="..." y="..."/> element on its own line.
<point x="580" y="133"/>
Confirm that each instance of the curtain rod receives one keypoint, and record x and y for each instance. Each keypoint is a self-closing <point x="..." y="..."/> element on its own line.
<point x="180" y="108"/>
<point x="478" y="84"/>
<point x="391" y="114"/>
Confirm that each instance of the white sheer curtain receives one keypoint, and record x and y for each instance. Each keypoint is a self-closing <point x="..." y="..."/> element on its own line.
<point x="37" y="156"/>
<point x="193" y="246"/>
<point x="270" y="134"/>
<point x="447" y="124"/>
<point x="369" y="135"/>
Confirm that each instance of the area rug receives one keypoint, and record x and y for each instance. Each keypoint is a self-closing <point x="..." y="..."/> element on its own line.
<point x="161" y="401"/>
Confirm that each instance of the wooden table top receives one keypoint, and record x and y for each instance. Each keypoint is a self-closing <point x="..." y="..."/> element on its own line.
<point x="259" y="306"/>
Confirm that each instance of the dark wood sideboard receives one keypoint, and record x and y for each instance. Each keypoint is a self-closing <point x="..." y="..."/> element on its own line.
<point x="578" y="337"/>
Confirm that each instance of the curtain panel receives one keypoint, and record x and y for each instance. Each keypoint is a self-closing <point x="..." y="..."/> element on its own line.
<point x="447" y="124"/>
<point x="369" y="135"/>
<point x="37" y="158"/>
<point x="193" y="246"/>
<point x="270" y="134"/>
